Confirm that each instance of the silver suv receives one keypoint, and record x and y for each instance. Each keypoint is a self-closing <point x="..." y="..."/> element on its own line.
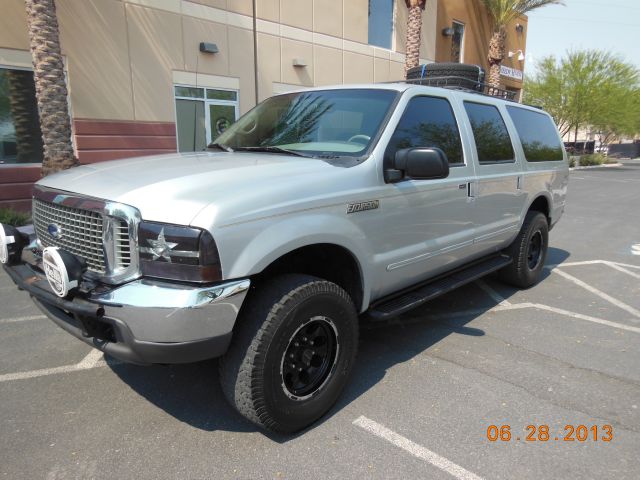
<point x="316" y="210"/>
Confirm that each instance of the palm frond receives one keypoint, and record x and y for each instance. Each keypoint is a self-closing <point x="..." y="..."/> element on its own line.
<point x="504" y="11"/>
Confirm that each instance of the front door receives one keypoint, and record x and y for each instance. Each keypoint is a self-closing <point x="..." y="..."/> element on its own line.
<point x="431" y="226"/>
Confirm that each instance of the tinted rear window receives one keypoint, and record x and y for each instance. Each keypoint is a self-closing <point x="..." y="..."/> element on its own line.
<point x="538" y="134"/>
<point x="490" y="133"/>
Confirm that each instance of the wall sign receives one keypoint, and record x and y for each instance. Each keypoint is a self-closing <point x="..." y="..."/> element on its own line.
<point x="511" y="73"/>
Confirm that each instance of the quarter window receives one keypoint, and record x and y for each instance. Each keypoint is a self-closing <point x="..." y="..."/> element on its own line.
<point x="493" y="143"/>
<point x="202" y="114"/>
<point x="427" y="122"/>
<point x="538" y="134"/>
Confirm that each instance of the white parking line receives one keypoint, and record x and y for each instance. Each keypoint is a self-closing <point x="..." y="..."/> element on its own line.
<point x="21" y="319"/>
<point x="574" y="264"/>
<point x="580" y="316"/>
<point x="623" y="270"/>
<point x="539" y="306"/>
<point x="414" y="449"/>
<point x="626" y="265"/>
<point x="93" y="360"/>
<point x="595" y="291"/>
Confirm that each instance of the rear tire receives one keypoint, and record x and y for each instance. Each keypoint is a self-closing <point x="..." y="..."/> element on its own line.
<point x="292" y="352"/>
<point x="528" y="251"/>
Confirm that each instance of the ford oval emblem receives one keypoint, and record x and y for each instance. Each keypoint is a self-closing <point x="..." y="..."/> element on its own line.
<point x="54" y="230"/>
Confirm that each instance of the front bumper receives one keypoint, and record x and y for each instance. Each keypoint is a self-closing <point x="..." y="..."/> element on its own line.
<point x="144" y="321"/>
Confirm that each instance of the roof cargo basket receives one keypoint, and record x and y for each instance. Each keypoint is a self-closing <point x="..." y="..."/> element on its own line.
<point x="456" y="76"/>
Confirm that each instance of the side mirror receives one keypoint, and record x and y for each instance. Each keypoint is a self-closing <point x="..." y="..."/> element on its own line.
<point x="418" y="163"/>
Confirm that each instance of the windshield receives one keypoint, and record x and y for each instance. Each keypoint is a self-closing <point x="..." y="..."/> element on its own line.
<point x="325" y="123"/>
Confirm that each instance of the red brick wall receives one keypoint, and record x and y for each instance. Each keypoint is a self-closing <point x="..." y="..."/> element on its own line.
<point x="96" y="141"/>
<point x="99" y="140"/>
<point x="16" y="182"/>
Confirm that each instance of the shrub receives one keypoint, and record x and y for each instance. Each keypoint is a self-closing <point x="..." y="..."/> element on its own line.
<point x="13" y="217"/>
<point x="594" y="159"/>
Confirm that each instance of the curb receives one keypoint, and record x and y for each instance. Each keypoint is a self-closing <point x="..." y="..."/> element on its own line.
<point x="590" y="167"/>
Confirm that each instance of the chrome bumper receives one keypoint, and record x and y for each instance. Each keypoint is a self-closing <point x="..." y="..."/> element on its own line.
<point x="165" y="312"/>
<point x="144" y="321"/>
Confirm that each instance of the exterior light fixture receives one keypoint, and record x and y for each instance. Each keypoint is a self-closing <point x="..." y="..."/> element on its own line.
<point x="519" y="28"/>
<point x="206" y="47"/>
<point x="520" y="55"/>
<point x="448" y="32"/>
<point x="299" y="62"/>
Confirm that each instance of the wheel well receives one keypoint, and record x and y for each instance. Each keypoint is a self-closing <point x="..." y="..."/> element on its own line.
<point x="327" y="261"/>
<point x="541" y="204"/>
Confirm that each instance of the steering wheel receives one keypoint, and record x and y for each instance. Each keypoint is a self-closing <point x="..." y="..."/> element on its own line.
<point x="363" y="139"/>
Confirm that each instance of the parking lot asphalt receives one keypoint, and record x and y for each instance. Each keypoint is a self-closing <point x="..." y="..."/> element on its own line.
<point x="426" y="388"/>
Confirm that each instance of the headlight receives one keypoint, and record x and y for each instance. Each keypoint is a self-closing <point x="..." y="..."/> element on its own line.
<point x="178" y="253"/>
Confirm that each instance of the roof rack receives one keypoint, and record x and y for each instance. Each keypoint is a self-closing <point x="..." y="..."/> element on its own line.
<point x="463" y="84"/>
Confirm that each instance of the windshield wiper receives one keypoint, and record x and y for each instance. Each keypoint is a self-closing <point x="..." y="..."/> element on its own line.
<point x="272" y="149"/>
<point x="221" y="146"/>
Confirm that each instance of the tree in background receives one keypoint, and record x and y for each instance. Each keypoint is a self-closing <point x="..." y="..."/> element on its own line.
<point x="51" y="88"/>
<point x="503" y="12"/>
<point x="414" y="29"/>
<point x="589" y="88"/>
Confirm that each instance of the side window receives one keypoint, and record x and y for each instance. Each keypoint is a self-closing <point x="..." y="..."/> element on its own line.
<point x="427" y="122"/>
<point x="490" y="133"/>
<point x="538" y="134"/>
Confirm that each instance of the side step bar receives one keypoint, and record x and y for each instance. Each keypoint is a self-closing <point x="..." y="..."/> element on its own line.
<point x="398" y="304"/>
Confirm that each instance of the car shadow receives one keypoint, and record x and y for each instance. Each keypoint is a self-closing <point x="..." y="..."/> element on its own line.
<point x="191" y="392"/>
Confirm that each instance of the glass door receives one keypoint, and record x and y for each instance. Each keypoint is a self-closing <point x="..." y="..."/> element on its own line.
<point x="221" y="116"/>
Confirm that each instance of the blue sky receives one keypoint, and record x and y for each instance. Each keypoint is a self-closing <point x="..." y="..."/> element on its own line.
<point x="612" y="25"/>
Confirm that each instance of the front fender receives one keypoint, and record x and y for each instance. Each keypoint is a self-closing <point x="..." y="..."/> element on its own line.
<point x="271" y="239"/>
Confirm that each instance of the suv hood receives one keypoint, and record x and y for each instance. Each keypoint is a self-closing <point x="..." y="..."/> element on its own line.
<point x="173" y="188"/>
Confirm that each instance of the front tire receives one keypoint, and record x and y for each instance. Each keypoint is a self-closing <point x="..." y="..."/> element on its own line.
<point x="293" y="350"/>
<point x="528" y="251"/>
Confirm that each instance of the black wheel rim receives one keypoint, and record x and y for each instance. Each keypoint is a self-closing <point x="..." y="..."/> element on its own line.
<point x="534" y="253"/>
<point x="309" y="358"/>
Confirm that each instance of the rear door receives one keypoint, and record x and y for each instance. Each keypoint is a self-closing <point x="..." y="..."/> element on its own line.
<point x="498" y="194"/>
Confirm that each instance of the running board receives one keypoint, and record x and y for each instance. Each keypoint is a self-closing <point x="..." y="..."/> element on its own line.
<point x="400" y="303"/>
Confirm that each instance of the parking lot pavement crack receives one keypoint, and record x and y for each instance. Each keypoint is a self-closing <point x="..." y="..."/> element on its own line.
<point x="626" y="381"/>
<point x="534" y="393"/>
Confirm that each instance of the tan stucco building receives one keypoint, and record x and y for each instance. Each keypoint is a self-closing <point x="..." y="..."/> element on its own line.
<point x="139" y="83"/>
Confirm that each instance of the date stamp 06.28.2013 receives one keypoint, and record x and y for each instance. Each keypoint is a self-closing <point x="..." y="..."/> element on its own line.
<point x="545" y="433"/>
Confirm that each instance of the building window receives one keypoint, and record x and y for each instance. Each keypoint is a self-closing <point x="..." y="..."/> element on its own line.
<point x="20" y="137"/>
<point x="202" y="114"/>
<point x="457" y="42"/>
<point x="381" y="23"/>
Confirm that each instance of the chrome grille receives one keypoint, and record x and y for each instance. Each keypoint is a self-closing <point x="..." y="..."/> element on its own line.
<point x="82" y="234"/>
<point x="123" y="247"/>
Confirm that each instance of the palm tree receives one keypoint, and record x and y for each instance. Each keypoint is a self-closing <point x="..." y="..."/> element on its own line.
<point x="414" y="28"/>
<point x="503" y="12"/>
<point x="51" y="89"/>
